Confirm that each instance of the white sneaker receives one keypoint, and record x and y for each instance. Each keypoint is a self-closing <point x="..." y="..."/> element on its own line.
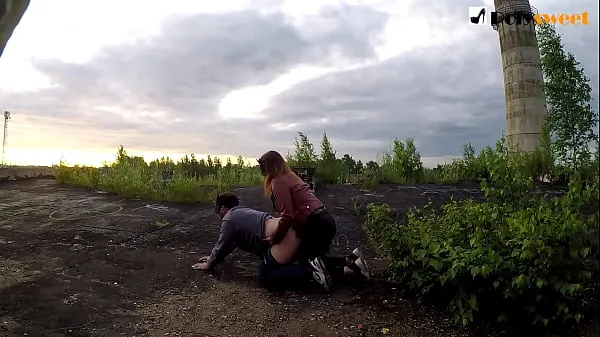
<point x="360" y="262"/>
<point x="320" y="273"/>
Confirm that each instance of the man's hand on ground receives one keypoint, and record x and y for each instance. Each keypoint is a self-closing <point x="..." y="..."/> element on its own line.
<point x="202" y="265"/>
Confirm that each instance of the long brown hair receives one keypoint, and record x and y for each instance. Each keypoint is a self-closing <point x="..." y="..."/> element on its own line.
<point x="273" y="165"/>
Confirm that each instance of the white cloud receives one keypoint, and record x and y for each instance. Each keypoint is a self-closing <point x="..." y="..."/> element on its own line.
<point x="163" y="77"/>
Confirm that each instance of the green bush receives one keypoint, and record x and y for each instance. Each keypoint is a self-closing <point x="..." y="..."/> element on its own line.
<point x="516" y="255"/>
<point x="77" y="175"/>
<point x="402" y="164"/>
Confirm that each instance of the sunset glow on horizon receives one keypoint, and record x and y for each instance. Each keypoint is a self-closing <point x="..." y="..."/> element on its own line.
<point x="98" y="157"/>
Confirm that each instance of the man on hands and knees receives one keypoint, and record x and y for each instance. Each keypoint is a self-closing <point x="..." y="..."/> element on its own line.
<point x="251" y="230"/>
<point x="241" y="227"/>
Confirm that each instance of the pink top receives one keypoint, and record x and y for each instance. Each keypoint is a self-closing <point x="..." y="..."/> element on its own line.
<point x="294" y="201"/>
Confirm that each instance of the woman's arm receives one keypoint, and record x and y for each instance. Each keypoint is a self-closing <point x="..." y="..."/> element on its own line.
<point x="284" y="205"/>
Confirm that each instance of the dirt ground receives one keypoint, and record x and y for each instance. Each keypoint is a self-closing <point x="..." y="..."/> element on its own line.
<point x="75" y="262"/>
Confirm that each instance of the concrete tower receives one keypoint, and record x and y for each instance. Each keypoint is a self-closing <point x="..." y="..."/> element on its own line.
<point x="523" y="93"/>
<point x="11" y="12"/>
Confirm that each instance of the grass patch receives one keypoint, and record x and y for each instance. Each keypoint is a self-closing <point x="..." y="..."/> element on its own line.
<point x="186" y="181"/>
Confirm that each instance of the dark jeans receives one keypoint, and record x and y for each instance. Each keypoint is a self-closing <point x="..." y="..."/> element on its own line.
<point x="317" y="234"/>
<point x="274" y="275"/>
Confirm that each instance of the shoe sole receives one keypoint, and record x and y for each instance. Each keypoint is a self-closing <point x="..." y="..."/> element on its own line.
<point x="361" y="263"/>
<point x="320" y="273"/>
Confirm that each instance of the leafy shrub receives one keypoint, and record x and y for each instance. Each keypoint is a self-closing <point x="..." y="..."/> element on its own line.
<point x="77" y="175"/>
<point x="402" y="164"/>
<point x="514" y="256"/>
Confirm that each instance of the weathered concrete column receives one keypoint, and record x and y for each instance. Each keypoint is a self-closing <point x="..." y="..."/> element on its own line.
<point x="523" y="79"/>
<point x="11" y="12"/>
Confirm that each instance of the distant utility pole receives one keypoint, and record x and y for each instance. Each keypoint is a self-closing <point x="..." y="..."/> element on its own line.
<point x="6" y="118"/>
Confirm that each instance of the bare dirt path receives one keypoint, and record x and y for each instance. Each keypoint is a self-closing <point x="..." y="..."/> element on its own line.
<point x="75" y="262"/>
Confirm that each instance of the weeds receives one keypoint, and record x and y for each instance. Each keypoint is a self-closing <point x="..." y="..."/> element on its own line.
<point x="517" y="256"/>
<point x="188" y="180"/>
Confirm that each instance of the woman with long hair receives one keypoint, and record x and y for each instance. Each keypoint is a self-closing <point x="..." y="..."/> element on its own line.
<point x="301" y="210"/>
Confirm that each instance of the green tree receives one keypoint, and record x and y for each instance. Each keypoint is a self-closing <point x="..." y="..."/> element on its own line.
<point x="403" y="163"/>
<point x="358" y="168"/>
<point x="327" y="152"/>
<point x="468" y="152"/>
<point x="371" y="175"/>
<point x="571" y="119"/>
<point x="328" y="170"/>
<point x="210" y="163"/>
<point x="304" y="154"/>
<point x="413" y="167"/>
<point x="349" y="164"/>
<point x="121" y="155"/>
<point x="371" y="166"/>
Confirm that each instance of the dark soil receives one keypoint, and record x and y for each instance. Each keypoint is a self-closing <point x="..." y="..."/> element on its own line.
<point x="75" y="262"/>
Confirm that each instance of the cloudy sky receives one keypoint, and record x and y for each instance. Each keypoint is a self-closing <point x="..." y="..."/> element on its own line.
<point x="241" y="77"/>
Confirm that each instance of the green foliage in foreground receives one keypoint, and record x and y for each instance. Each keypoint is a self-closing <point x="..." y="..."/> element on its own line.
<point x="188" y="180"/>
<point x="515" y="256"/>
